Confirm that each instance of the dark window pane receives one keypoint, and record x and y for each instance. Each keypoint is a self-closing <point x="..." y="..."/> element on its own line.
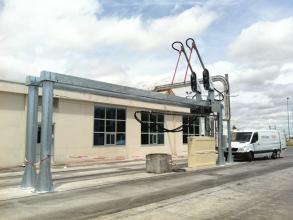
<point x="153" y="127"/>
<point x="160" y="138"/>
<point x="120" y="139"/>
<point x="145" y="116"/>
<point x="160" y="118"/>
<point x="185" y="120"/>
<point x="99" y="125"/>
<point x="153" y="118"/>
<point x="110" y="113"/>
<point x="254" y="138"/>
<point x="99" y="112"/>
<point x="144" y="139"/>
<point x="153" y="138"/>
<point x="144" y="127"/>
<point x="194" y="120"/>
<point x="121" y="114"/>
<point x="185" y="129"/>
<point x="110" y="126"/>
<point x="191" y="129"/>
<point x="196" y="130"/>
<point x="185" y="139"/>
<point x="160" y="127"/>
<point x="120" y="126"/>
<point x="191" y="120"/>
<point x="98" y="138"/>
<point x="110" y="139"/>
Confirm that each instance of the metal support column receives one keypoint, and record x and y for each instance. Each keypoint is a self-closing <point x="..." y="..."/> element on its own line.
<point x="221" y="157"/>
<point x="288" y="118"/>
<point x="29" y="176"/>
<point x="44" y="180"/>
<point x="228" y="116"/>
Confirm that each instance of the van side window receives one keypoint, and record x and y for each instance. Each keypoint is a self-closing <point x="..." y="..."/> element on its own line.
<point x="254" y="138"/>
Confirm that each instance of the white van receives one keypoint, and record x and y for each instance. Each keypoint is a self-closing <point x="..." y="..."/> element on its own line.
<point x="257" y="143"/>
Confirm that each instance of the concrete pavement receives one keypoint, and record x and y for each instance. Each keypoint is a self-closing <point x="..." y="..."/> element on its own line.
<point x="256" y="190"/>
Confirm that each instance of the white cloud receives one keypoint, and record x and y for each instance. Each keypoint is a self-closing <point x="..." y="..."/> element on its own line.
<point x="261" y="74"/>
<point x="285" y="75"/>
<point x="66" y="35"/>
<point x="264" y="43"/>
<point x="259" y="94"/>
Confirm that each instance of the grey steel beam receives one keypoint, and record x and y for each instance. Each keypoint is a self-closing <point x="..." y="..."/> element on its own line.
<point x="221" y="157"/>
<point x="216" y="78"/>
<point x="29" y="176"/>
<point x="100" y="88"/>
<point x="165" y="87"/>
<point x="226" y="85"/>
<point x="44" y="180"/>
<point x="228" y="115"/>
<point x="182" y="102"/>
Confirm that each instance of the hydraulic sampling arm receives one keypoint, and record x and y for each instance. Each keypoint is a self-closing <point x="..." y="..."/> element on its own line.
<point x="195" y="86"/>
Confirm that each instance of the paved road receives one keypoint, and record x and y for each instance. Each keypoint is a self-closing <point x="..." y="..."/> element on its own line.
<point x="258" y="190"/>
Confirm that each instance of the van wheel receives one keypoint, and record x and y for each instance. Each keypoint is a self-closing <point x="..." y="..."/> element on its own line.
<point x="250" y="156"/>
<point x="274" y="155"/>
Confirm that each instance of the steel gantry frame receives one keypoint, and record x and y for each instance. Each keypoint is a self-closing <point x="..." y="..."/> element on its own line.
<point x="29" y="177"/>
<point x="227" y="108"/>
<point x="42" y="182"/>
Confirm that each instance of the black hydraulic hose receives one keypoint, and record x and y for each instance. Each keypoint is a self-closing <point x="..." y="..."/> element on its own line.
<point x="220" y="94"/>
<point x="193" y="45"/>
<point x="205" y="71"/>
<point x="177" y="129"/>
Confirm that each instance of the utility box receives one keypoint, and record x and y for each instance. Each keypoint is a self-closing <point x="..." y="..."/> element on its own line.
<point x="201" y="151"/>
<point x="158" y="163"/>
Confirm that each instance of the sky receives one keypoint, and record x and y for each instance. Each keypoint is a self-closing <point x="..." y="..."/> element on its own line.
<point x="129" y="42"/>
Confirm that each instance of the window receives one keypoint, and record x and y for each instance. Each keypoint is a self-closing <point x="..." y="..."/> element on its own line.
<point x="40" y="131"/>
<point x="152" y="128"/>
<point x="109" y="126"/>
<point x="190" y="127"/>
<point x="241" y="137"/>
<point x="254" y="138"/>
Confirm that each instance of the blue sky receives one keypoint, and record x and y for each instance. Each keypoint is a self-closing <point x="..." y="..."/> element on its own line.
<point x="129" y="43"/>
<point x="233" y="17"/>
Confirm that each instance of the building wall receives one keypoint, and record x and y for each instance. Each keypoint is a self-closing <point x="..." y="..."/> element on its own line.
<point x="74" y="122"/>
<point x="12" y="129"/>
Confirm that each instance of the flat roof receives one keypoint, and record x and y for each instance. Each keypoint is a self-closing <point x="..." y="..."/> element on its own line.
<point x="82" y="85"/>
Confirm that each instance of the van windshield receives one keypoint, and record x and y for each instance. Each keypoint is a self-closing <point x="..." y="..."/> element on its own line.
<point x="241" y="136"/>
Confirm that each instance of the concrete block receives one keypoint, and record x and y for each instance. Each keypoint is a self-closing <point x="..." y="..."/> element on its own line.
<point x="158" y="163"/>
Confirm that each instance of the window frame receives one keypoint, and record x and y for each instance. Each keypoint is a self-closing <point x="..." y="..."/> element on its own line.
<point x="106" y="133"/>
<point x="195" y="124"/>
<point x="153" y="136"/>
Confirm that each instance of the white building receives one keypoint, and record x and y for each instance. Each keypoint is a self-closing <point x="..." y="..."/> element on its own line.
<point x="89" y="127"/>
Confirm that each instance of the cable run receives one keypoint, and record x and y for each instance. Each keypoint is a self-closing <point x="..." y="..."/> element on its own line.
<point x="177" y="129"/>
